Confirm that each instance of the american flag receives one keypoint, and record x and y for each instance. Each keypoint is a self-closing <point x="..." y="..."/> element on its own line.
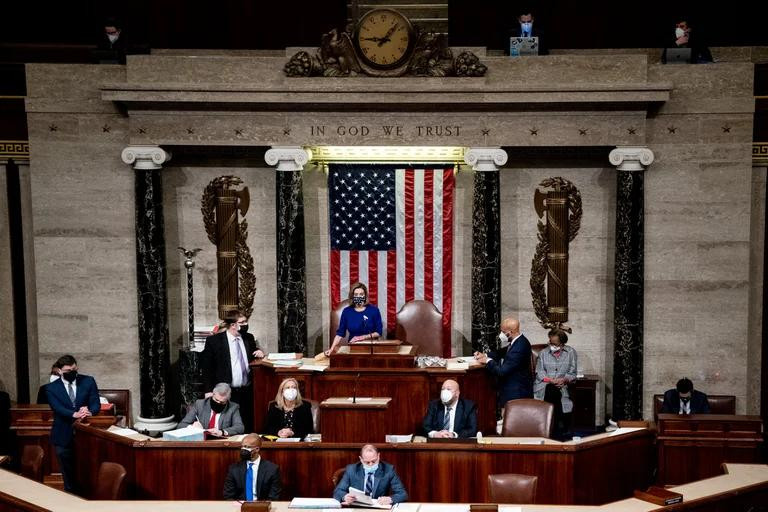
<point x="391" y="228"/>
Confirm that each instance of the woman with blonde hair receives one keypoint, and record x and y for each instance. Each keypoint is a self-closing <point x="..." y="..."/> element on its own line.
<point x="289" y="415"/>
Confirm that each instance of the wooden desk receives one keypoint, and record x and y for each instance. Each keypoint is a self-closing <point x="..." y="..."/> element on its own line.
<point x="595" y="470"/>
<point x="694" y="447"/>
<point x="744" y="487"/>
<point x="31" y="424"/>
<point x="359" y="422"/>
<point x="411" y="389"/>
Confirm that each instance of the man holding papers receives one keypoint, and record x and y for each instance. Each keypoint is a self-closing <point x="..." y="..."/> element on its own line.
<point x="451" y="416"/>
<point x="370" y="478"/>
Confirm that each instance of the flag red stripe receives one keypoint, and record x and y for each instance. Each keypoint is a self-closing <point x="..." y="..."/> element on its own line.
<point x="448" y="183"/>
<point x="335" y="278"/>
<point x="354" y="266"/>
<point x="391" y="292"/>
<point x="373" y="277"/>
<point x="410" y="235"/>
<point x="429" y="176"/>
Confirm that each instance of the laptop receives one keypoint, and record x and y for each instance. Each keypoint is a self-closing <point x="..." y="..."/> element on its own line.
<point x="523" y="46"/>
<point x="678" y="55"/>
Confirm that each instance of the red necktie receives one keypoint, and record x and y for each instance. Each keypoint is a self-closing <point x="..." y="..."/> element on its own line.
<point x="212" y="423"/>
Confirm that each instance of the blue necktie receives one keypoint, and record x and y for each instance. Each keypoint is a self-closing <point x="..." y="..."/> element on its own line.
<point x="249" y="482"/>
<point x="369" y="484"/>
<point x="447" y="419"/>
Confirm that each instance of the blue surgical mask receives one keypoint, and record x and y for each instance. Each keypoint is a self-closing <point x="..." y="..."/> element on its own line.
<point x="371" y="469"/>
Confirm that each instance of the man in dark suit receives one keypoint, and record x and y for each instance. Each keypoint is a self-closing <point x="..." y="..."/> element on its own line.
<point x="685" y="400"/>
<point x="375" y="478"/>
<point x="71" y="398"/>
<point x="451" y="416"/>
<point x="253" y="478"/>
<point x="511" y="364"/>
<point x="226" y="358"/>
<point x="217" y="414"/>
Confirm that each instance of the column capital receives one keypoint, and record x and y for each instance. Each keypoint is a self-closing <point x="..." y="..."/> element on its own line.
<point x="485" y="159"/>
<point x="145" y="157"/>
<point x="288" y="158"/>
<point x="631" y="158"/>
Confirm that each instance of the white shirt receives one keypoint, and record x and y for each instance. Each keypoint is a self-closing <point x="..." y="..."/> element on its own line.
<point x="74" y="386"/>
<point x="235" y="360"/>
<point x="685" y="408"/>
<point x="254" y="466"/>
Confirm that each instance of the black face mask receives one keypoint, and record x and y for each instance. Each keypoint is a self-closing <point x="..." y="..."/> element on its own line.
<point x="70" y="376"/>
<point x="217" y="407"/>
<point x="243" y="329"/>
<point x="245" y="454"/>
<point x="358" y="301"/>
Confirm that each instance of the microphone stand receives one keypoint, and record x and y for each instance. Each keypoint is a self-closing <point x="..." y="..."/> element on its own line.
<point x="354" y="389"/>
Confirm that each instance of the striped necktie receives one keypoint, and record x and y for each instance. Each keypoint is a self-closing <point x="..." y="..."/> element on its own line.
<point x="369" y="484"/>
<point x="447" y="419"/>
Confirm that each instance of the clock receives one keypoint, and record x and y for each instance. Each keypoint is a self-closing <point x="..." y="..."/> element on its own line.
<point x="384" y="41"/>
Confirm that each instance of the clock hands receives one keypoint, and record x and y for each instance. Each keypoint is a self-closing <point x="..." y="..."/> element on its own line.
<point x="374" y="39"/>
<point x="386" y="38"/>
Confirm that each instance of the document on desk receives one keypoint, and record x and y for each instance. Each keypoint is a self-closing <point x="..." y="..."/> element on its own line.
<point x="313" y="367"/>
<point x="443" y="507"/>
<point x="625" y="430"/>
<point x="365" y="501"/>
<point x="314" y="503"/>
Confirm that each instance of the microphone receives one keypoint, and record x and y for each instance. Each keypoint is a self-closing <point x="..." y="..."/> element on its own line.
<point x="365" y="326"/>
<point x="354" y="389"/>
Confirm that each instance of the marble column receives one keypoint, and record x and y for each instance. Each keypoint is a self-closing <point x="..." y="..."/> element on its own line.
<point x="291" y="259"/>
<point x="630" y="163"/>
<point x="154" y="347"/>
<point x="486" y="246"/>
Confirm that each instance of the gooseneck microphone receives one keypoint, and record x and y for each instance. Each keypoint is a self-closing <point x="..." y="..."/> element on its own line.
<point x="354" y="389"/>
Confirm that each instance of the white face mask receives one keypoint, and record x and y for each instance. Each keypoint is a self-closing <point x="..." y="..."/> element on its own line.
<point x="446" y="395"/>
<point x="527" y="26"/>
<point x="290" y="394"/>
<point x="53" y="378"/>
<point x="504" y="338"/>
<point x="113" y="37"/>
<point x="679" y="32"/>
<point x="554" y="348"/>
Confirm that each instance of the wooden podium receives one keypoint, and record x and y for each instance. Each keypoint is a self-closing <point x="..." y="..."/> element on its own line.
<point x="364" y="421"/>
<point x="374" y="354"/>
<point x="694" y="447"/>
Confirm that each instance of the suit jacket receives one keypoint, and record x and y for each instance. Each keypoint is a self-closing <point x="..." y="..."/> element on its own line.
<point x="268" y="482"/>
<point x="215" y="362"/>
<point x="385" y="482"/>
<point x="87" y="394"/>
<point x="671" y="405"/>
<point x="302" y="420"/>
<point x="201" y="411"/>
<point x="464" y="421"/>
<point x="512" y="368"/>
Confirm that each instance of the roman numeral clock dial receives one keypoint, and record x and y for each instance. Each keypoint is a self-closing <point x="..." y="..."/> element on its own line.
<point x="384" y="42"/>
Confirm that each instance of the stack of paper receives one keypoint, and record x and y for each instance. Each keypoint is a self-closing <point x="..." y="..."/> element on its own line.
<point x="314" y="503"/>
<point x="283" y="356"/>
<point x="362" y="500"/>
<point x="393" y="438"/>
<point x="189" y="433"/>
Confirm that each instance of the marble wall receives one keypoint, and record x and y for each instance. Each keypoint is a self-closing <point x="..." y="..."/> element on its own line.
<point x="591" y="254"/>
<point x="7" y="344"/>
<point x="183" y="188"/>
<point x="83" y="225"/>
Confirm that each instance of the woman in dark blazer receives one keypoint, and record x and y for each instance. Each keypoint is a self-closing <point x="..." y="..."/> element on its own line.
<point x="289" y="415"/>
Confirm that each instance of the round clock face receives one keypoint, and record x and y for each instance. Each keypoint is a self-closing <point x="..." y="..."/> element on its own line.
<point x="384" y="38"/>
